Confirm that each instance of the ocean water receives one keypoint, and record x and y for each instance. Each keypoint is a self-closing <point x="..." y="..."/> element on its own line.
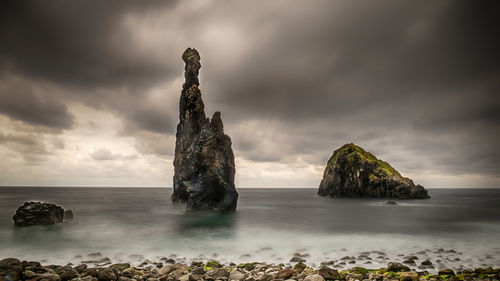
<point x="456" y="228"/>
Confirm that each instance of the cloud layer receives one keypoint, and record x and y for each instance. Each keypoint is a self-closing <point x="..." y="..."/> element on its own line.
<point x="87" y="81"/>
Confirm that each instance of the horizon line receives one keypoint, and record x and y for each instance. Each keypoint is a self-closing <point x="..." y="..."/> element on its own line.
<point x="242" y="187"/>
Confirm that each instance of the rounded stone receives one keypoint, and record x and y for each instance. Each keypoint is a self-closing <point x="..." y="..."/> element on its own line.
<point x="106" y="274"/>
<point x="314" y="277"/>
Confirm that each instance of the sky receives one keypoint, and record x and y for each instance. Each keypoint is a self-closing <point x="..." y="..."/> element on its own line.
<point x="89" y="90"/>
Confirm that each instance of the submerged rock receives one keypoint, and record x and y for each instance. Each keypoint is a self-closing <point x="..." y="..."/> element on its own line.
<point x="446" y="271"/>
<point x="353" y="172"/>
<point x="37" y="213"/>
<point x="204" y="162"/>
<point x="68" y="215"/>
<point x="426" y="262"/>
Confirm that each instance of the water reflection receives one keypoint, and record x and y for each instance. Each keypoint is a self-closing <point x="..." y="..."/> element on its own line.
<point x="192" y="221"/>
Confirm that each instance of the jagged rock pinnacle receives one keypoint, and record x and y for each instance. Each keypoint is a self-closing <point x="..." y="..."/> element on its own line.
<point x="204" y="161"/>
<point x="192" y="69"/>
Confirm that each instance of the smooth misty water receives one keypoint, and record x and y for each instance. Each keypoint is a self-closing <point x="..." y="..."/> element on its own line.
<point x="270" y="225"/>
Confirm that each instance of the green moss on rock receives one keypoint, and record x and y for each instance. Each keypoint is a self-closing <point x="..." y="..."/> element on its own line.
<point x="359" y="270"/>
<point x="213" y="264"/>
<point x="355" y="154"/>
<point x="352" y="171"/>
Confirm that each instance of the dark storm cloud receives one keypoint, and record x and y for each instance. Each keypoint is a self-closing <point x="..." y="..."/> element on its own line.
<point x="374" y="70"/>
<point x="145" y="114"/>
<point x="21" y="102"/>
<point x="82" y="48"/>
<point x="380" y="54"/>
<point x="78" y="43"/>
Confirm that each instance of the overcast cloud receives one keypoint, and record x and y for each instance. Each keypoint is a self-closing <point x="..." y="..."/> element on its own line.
<point x="89" y="89"/>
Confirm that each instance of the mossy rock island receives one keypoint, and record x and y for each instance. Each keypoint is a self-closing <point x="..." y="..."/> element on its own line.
<point x="353" y="172"/>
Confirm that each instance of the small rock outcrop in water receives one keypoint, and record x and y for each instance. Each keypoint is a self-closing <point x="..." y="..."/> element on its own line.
<point x="354" y="172"/>
<point x="204" y="162"/>
<point x="37" y="213"/>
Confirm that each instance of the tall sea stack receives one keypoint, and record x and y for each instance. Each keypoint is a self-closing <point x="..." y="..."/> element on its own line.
<point x="204" y="161"/>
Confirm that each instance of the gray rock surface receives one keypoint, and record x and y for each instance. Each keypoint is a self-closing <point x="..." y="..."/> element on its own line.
<point x="204" y="162"/>
<point x="329" y="273"/>
<point x="353" y="172"/>
<point x="68" y="215"/>
<point x="397" y="267"/>
<point x="67" y="273"/>
<point x="37" y="213"/>
<point x="314" y="277"/>
<point x="217" y="273"/>
<point x="236" y="275"/>
<point x="106" y="274"/>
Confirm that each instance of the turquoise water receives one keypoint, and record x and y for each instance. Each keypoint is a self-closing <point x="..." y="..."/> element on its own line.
<point x="133" y="224"/>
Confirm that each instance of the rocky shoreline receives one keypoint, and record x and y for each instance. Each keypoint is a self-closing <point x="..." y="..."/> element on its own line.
<point x="168" y="269"/>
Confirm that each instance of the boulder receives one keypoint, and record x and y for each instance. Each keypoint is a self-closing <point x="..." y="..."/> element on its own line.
<point x="397" y="267"/>
<point x="9" y="262"/>
<point x="314" y="277"/>
<point x="120" y="266"/>
<point x="284" y="273"/>
<point x="329" y="273"/>
<point x="375" y="276"/>
<point x="28" y="274"/>
<point x="194" y="277"/>
<point x="446" y="271"/>
<point x="213" y="264"/>
<point x="408" y="276"/>
<point x="106" y="274"/>
<point x="67" y="273"/>
<point x="80" y="268"/>
<point x="11" y="269"/>
<point x="409" y="262"/>
<point x="68" y="215"/>
<point x="265" y="277"/>
<point x="198" y="271"/>
<point x="237" y="275"/>
<point x="299" y="267"/>
<point x="49" y="277"/>
<point x="37" y="213"/>
<point x="31" y="265"/>
<point x="426" y="262"/>
<point x="130" y="272"/>
<point x="204" y="166"/>
<point x="217" y="273"/>
<point x="359" y="270"/>
<point x="297" y="259"/>
<point x="92" y="272"/>
<point x="353" y="172"/>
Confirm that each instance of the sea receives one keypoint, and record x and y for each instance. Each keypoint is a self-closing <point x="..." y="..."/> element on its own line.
<point x="456" y="228"/>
